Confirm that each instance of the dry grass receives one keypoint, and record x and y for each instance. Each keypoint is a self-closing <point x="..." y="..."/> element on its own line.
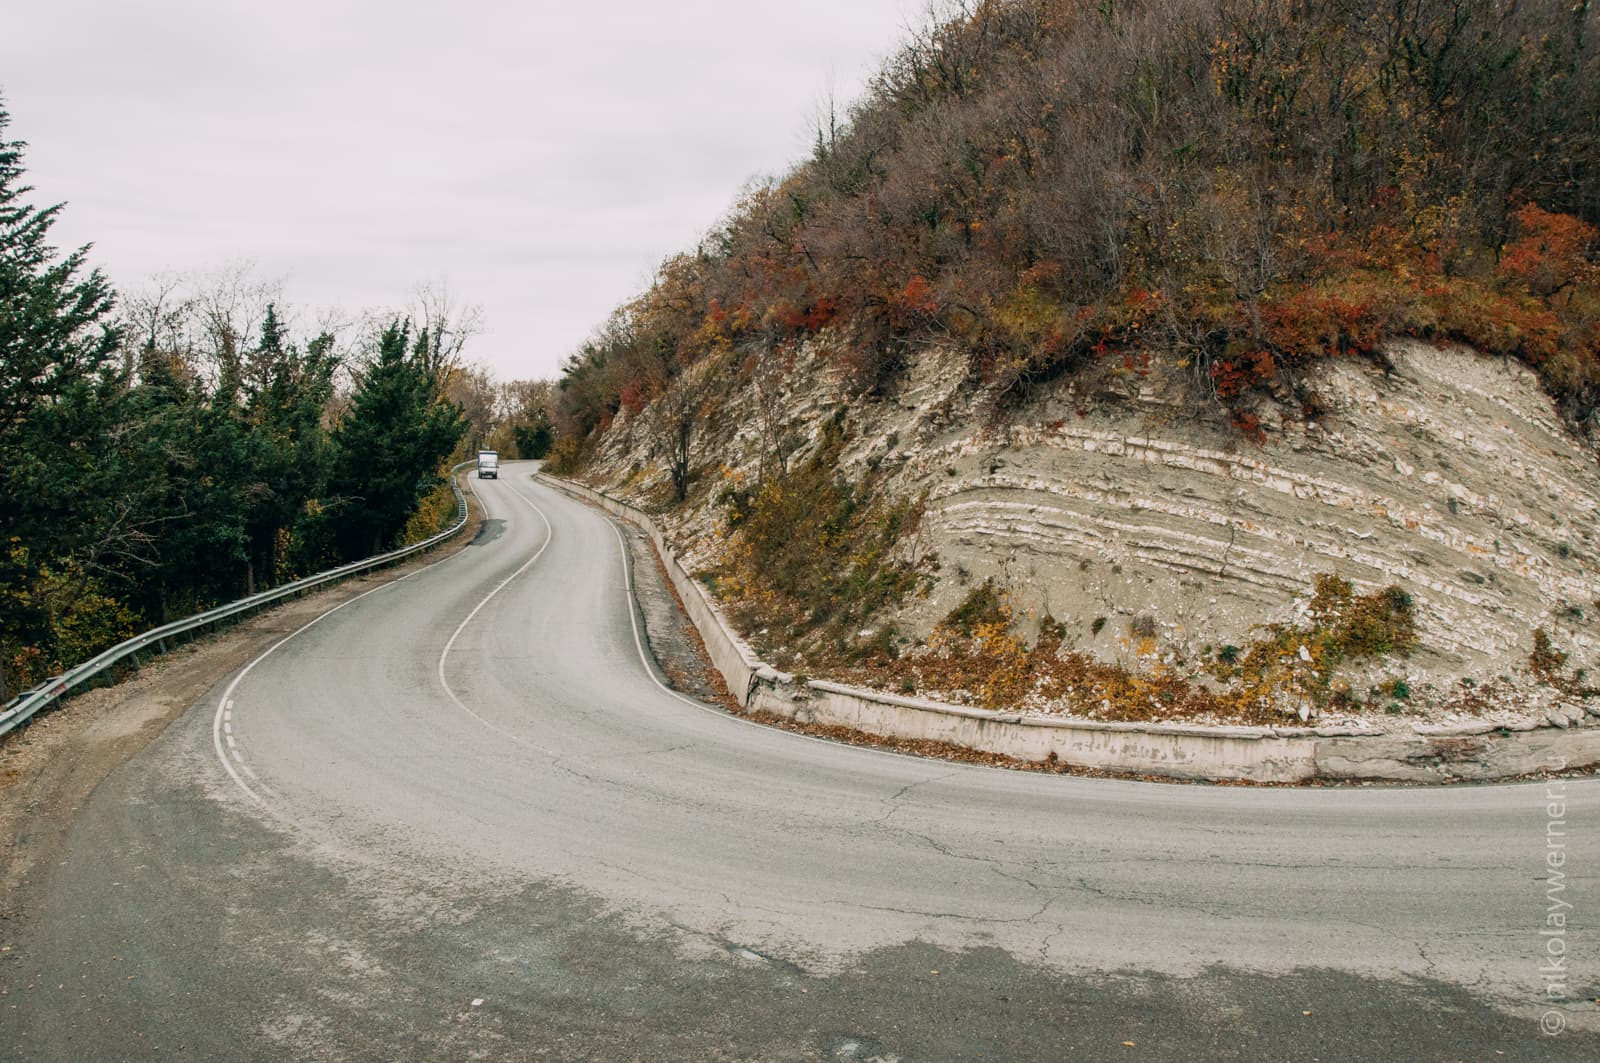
<point x="977" y="654"/>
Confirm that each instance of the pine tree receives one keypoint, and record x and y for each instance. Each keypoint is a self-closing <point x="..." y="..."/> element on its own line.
<point x="391" y="443"/>
<point x="59" y="378"/>
<point x="291" y="453"/>
<point x="55" y="320"/>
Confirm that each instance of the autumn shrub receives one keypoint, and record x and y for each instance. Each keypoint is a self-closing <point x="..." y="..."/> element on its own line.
<point x="1362" y="626"/>
<point x="1298" y="661"/>
<point x="984" y="604"/>
<point x="1234" y="189"/>
<point x="566" y="456"/>
<point x="85" y="619"/>
<point x="977" y="651"/>
<point x="1545" y="661"/>
<point x="436" y="512"/>
<point x="68" y="616"/>
<point x="1549" y="666"/>
<point x="816" y="555"/>
<point x="20" y="668"/>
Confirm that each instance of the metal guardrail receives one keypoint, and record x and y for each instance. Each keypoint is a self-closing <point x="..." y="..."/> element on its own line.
<point x="20" y="709"/>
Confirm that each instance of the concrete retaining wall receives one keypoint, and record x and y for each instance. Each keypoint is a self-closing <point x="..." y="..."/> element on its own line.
<point x="735" y="660"/>
<point x="1179" y="751"/>
<point x="1256" y="754"/>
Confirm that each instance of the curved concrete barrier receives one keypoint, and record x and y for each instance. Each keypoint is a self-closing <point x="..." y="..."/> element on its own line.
<point x="1468" y="753"/>
<point x="729" y="653"/>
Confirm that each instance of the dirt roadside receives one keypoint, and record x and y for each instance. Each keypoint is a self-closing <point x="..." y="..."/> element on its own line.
<point x="49" y="768"/>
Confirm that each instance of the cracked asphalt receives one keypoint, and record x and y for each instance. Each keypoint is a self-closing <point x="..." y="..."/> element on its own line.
<point x="468" y="822"/>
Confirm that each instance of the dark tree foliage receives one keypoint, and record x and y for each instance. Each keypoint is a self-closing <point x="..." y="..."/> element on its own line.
<point x="57" y="353"/>
<point x="138" y="484"/>
<point x="193" y="460"/>
<point x="391" y="444"/>
<point x="55" y="328"/>
<point x="533" y="440"/>
<point x="292" y="454"/>
<point x="58" y="382"/>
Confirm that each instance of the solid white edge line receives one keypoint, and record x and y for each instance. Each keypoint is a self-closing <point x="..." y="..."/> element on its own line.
<point x="225" y="702"/>
<point x="715" y="710"/>
<point x="549" y="534"/>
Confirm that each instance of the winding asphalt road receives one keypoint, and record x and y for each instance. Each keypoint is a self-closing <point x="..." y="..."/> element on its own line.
<point x="462" y="815"/>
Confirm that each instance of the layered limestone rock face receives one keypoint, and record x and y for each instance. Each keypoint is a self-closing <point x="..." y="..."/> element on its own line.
<point x="1108" y="498"/>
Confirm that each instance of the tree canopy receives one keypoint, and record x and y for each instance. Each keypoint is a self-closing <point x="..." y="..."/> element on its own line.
<point x="191" y="449"/>
<point x="392" y="442"/>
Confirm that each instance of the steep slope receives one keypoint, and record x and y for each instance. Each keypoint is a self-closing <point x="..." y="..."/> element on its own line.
<point x="1449" y="475"/>
<point x="1193" y="358"/>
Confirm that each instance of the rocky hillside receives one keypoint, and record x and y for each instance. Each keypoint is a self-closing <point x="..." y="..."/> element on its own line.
<point x="1194" y="358"/>
<point x="1156" y="538"/>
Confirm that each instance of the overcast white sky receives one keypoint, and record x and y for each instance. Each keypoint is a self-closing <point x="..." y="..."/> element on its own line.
<point x="540" y="158"/>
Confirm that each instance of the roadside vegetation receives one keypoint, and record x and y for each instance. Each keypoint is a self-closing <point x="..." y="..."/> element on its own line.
<point x="1217" y="193"/>
<point x="980" y="652"/>
<point x="1238" y="189"/>
<point x="184" y="445"/>
<point x="816" y="556"/>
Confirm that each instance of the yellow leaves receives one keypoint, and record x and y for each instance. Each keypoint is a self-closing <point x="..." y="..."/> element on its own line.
<point x="975" y="653"/>
<point x="1027" y="313"/>
<point x="436" y="512"/>
<point x="714" y="336"/>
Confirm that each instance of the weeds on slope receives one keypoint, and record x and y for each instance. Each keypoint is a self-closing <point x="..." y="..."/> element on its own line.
<point x="977" y="653"/>
<point x="815" y="556"/>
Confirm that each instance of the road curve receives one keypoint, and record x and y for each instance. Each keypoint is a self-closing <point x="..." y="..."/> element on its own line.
<point x="458" y="817"/>
<point x="496" y="711"/>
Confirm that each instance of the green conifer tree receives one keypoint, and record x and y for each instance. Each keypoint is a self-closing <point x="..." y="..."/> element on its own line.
<point x="59" y="376"/>
<point x="391" y="443"/>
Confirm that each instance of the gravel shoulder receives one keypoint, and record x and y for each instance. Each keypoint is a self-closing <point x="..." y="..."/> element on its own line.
<point x="671" y="638"/>
<point x="49" y="768"/>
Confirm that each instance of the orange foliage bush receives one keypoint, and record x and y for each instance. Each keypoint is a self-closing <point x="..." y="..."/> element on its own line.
<point x="1240" y="188"/>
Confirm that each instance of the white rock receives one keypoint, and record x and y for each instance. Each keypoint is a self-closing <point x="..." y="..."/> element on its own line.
<point x="1555" y="718"/>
